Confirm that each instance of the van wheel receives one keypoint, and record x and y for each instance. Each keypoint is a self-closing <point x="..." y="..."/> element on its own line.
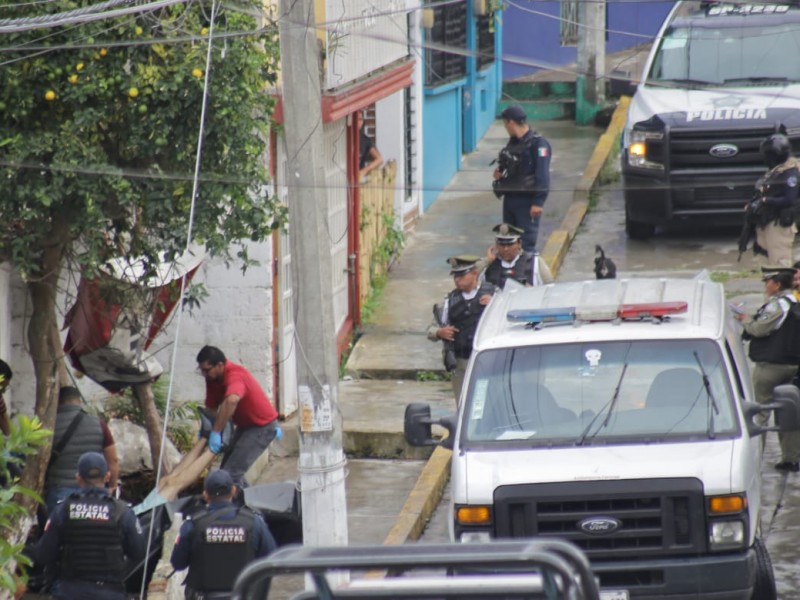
<point x="637" y="230"/>
<point x="765" y="578"/>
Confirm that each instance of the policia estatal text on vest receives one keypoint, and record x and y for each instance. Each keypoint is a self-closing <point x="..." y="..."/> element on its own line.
<point x="217" y="543"/>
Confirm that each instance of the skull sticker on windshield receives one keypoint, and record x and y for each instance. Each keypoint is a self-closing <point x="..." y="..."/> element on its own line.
<point x="593" y="356"/>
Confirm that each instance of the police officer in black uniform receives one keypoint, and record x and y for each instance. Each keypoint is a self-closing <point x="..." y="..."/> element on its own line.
<point x="775" y="207"/>
<point x="460" y="313"/>
<point x="93" y="536"/>
<point x="217" y="543"/>
<point x="507" y="260"/>
<point x="522" y="176"/>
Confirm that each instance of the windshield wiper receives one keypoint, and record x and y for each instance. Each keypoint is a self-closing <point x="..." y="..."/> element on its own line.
<point x="682" y="82"/>
<point x="712" y="403"/>
<point x="611" y="404"/>
<point x="755" y="80"/>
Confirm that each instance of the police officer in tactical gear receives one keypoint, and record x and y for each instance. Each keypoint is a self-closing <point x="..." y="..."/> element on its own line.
<point x="776" y="200"/>
<point x="460" y="313"/>
<point x="522" y="176"/>
<point x="507" y="260"/>
<point x="93" y="535"/>
<point x="218" y="542"/>
<point x="774" y="334"/>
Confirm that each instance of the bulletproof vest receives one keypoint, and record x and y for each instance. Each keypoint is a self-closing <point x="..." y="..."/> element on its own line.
<point x="773" y="185"/>
<point x="522" y="178"/>
<point x="782" y="346"/>
<point x="464" y="315"/>
<point x="87" y="437"/>
<point x="497" y="274"/>
<point x="221" y="548"/>
<point x="91" y="539"/>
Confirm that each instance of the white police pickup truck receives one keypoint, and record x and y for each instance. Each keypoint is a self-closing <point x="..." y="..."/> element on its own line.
<point x="720" y="78"/>
<point x="617" y="415"/>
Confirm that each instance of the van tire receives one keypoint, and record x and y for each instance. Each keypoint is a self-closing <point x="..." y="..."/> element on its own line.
<point x="764" y="588"/>
<point x="638" y="230"/>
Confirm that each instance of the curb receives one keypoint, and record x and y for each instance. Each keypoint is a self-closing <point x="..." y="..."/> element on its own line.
<point x="427" y="492"/>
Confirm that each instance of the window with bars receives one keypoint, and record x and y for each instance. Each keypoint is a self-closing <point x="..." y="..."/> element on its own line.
<point x="569" y="22"/>
<point x="485" y="34"/>
<point x="449" y="30"/>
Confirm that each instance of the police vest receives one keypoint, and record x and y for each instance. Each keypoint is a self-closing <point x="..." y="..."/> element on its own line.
<point x="497" y="274"/>
<point x="782" y="346"/>
<point x="87" y="437"/>
<point x="521" y="179"/>
<point x="91" y="539"/>
<point x="774" y="186"/>
<point x="221" y="548"/>
<point x="464" y="315"/>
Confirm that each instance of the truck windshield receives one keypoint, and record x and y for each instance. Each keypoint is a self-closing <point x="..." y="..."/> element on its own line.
<point x="727" y="57"/>
<point x="604" y="392"/>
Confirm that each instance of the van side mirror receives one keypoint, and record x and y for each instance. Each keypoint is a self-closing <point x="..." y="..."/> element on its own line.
<point x="787" y="414"/>
<point x="417" y="426"/>
<point x="786" y="406"/>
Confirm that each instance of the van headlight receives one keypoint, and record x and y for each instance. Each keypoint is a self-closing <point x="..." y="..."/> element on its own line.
<point x="637" y="149"/>
<point x="725" y="535"/>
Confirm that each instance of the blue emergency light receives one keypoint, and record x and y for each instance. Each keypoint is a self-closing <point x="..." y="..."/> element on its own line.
<point x="656" y="311"/>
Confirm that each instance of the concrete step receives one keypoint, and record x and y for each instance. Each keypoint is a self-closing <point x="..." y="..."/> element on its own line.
<point x="396" y="355"/>
<point x="372" y="414"/>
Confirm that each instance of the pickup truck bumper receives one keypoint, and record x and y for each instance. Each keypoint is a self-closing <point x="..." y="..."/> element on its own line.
<point x="715" y="577"/>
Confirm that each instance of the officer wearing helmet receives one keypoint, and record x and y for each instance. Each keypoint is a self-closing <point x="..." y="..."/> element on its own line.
<point x="777" y="200"/>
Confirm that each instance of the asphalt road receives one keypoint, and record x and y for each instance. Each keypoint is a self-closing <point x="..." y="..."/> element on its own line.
<point x="685" y="250"/>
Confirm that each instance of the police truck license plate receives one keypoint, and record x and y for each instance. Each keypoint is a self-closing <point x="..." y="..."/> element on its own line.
<point x="614" y="595"/>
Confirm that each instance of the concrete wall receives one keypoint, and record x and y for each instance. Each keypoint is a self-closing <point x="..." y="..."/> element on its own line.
<point x="531" y="33"/>
<point x="391" y="140"/>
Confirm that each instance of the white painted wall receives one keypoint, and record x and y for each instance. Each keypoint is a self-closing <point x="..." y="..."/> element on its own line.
<point x="390" y="139"/>
<point x="362" y="36"/>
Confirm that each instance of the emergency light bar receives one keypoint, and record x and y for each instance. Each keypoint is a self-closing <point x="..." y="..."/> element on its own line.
<point x="657" y="311"/>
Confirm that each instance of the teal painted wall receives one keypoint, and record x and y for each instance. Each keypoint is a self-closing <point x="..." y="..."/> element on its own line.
<point x="442" y="141"/>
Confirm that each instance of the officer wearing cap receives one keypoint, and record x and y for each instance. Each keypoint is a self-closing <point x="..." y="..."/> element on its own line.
<point x="218" y="542"/>
<point x="522" y="176"/>
<point x="774" y="333"/>
<point x="459" y="314"/>
<point x="507" y="260"/>
<point x="775" y="207"/>
<point x="92" y="537"/>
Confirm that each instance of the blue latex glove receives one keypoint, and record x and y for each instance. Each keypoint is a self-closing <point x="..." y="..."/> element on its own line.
<point x="278" y="433"/>
<point x="215" y="442"/>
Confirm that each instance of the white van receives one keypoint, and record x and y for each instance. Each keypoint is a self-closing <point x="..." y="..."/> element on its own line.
<point x="617" y="415"/>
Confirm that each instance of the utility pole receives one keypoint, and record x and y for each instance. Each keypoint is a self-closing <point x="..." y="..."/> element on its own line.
<point x="591" y="76"/>
<point x="321" y="463"/>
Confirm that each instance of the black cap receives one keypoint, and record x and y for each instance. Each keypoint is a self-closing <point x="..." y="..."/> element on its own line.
<point x="507" y="234"/>
<point x="92" y="465"/>
<point x="462" y="264"/>
<point x="514" y="113"/>
<point x="218" y="483"/>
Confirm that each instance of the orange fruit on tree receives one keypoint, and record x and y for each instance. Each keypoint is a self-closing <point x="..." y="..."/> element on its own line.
<point x="73" y="78"/>
<point x="49" y="95"/>
<point x="79" y="67"/>
<point x="133" y="92"/>
<point x="197" y="73"/>
<point x="103" y="51"/>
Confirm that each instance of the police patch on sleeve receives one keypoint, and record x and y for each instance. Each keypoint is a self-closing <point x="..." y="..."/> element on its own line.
<point x="543" y="152"/>
<point x="791" y="181"/>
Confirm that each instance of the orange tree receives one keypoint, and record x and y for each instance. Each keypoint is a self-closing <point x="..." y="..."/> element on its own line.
<point x="99" y="128"/>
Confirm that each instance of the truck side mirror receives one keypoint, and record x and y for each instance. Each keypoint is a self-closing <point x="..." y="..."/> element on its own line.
<point x="787" y="413"/>
<point x="417" y="426"/>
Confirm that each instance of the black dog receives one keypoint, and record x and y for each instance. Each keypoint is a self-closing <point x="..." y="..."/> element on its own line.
<point x="604" y="268"/>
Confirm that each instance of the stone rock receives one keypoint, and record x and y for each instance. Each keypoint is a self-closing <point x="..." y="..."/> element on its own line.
<point x="133" y="447"/>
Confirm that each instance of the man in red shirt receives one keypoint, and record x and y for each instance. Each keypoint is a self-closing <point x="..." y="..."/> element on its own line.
<point x="232" y="393"/>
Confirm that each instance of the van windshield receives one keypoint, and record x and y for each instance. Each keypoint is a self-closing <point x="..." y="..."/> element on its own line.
<point x="600" y="392"/>
<point x="732" y="57"/>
